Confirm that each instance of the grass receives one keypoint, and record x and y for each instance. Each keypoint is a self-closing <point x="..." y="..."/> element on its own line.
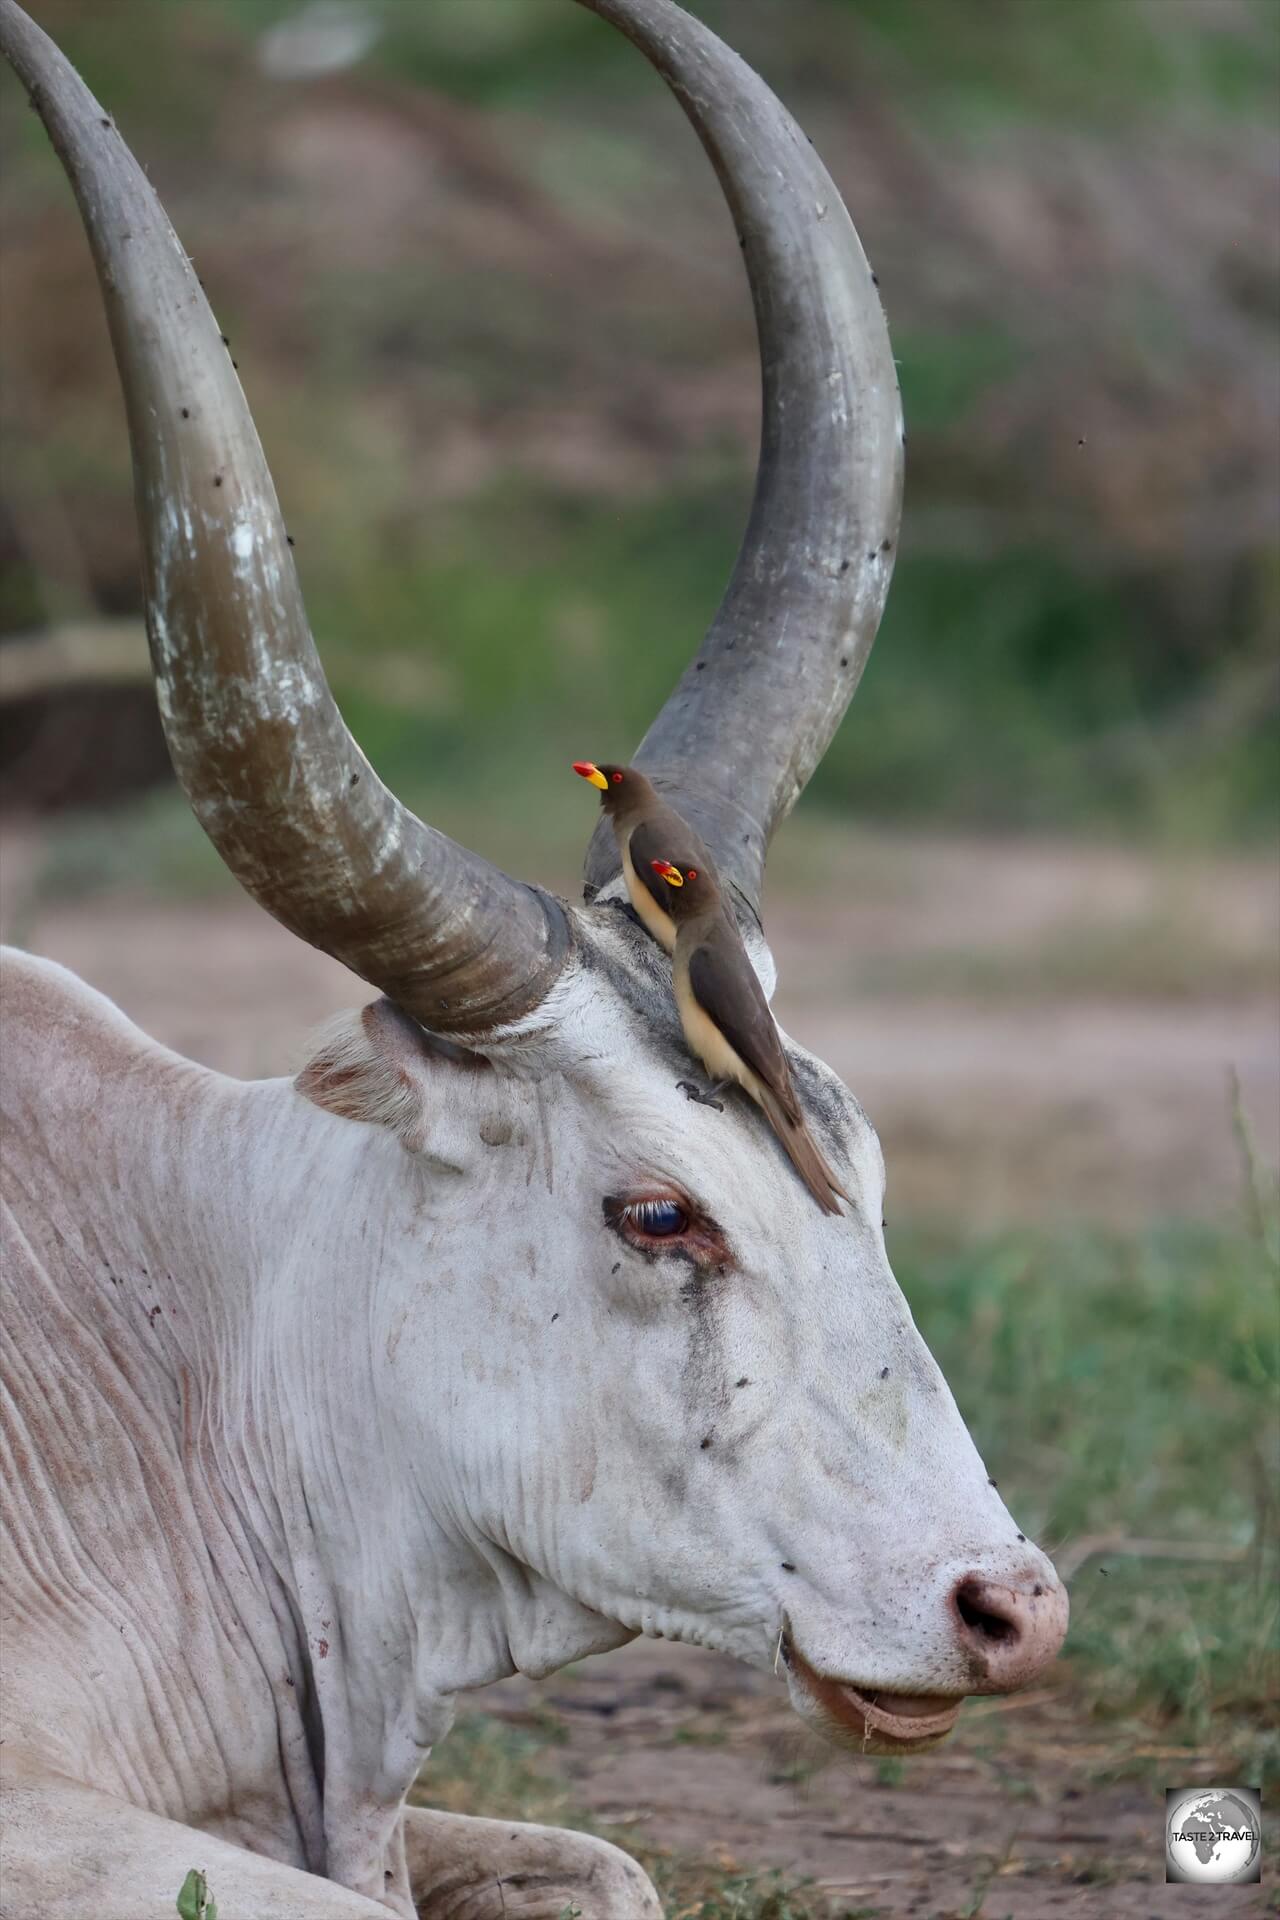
<point x="1024" y="64"/>
<point x="1037" y="63"/>
<point x="529" y="630"/>
<point x="1016" y="689"/>
<point x="1127" y="1387"/>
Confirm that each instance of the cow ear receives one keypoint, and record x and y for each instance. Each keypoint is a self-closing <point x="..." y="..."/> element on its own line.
<point x="383" y="1069"/>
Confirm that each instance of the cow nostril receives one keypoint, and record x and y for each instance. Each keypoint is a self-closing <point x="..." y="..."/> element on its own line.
<point x="973" y="1604"/>
<point x="1009" y="1633"/>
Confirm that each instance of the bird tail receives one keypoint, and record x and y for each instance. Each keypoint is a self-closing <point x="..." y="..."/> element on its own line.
<point x="802" y="1151"/>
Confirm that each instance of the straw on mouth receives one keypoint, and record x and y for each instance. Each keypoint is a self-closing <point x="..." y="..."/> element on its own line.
<point x="911" y="1718"/>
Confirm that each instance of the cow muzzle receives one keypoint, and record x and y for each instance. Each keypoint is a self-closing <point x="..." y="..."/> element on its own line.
<point x="1004" y="1634"/>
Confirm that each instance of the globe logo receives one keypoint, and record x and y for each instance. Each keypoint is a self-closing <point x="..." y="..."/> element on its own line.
<point x="1213" y="1835"/>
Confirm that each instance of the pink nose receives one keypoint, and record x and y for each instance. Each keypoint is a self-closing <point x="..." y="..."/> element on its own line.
<point x="1010" y="1634"/>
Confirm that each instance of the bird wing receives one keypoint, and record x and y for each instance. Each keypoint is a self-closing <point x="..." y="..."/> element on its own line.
<point x="726" y="987"/>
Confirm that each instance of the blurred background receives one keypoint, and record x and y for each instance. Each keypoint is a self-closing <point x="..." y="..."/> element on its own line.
<point x="489" y="312"/>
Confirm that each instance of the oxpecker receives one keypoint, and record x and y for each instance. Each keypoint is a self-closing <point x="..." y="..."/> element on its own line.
<point x="727" y="1022"/>
<point x="646" y="829"/>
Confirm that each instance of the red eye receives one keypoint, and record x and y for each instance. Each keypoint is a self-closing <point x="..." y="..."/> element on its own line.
<point x="617" y="779"/>
<point x="692" y="874"/>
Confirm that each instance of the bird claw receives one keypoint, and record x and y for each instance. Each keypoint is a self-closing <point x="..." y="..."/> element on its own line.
<point x="692" y="1091"/>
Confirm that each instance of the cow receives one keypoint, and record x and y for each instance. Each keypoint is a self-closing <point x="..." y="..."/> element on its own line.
<point x="476" y="1348"/>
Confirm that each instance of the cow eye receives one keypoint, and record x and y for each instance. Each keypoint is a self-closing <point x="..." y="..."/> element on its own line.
<point x="656" y="1219"/>
<point x="657" y="1223"/>
<point x="649" y="1220"/>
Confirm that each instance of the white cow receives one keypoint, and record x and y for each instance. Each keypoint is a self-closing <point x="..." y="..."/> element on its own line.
<point x="330" y="1400"/>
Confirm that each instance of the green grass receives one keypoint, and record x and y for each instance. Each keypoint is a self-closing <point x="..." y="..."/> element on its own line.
<point x="1012" y="689"/>
<point x="1015" y="689"/>
<point x="1016" y="64"/>
<point x="1129" y="1388"/>
<point x="527" y="629"/>
<point x="973" y="63"/>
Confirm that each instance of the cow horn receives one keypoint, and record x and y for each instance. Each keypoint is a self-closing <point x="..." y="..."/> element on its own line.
<point x="747" y="724"/>
<point x="258" y="743"/>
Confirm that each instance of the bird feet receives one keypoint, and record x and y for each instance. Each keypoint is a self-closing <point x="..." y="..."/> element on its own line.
<point x="705" y="1097"/>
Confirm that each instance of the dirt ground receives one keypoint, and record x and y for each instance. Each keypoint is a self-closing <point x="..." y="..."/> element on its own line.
<point x="1008" y="1821"/>
<point x="1039" y="1032"/>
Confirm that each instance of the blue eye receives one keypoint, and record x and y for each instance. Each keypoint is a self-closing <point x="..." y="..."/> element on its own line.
<point x="660" y="1219"/>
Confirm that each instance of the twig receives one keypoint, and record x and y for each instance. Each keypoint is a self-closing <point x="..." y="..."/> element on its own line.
<point x="1070" y="1559"/>
<point x="1014" y="1702"/>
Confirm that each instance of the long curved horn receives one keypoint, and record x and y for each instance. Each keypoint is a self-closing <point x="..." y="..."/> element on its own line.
<point x="276" y="780"/>
<point x="753" y="714"/>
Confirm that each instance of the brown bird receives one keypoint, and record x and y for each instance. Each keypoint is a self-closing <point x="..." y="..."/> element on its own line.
<point x="646" y="829"/>
<point x="727" y="1022"/>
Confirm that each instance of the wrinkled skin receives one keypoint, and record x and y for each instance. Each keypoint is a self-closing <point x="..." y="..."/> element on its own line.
<point x="380" y="1409"/>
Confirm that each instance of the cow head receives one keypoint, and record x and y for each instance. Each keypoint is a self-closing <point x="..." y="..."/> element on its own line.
<point x="708" y="1413"/>
<point x="691" y="1403"/>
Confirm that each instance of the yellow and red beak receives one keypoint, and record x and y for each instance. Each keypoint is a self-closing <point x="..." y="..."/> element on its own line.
<point x="590" y="771"/>
<point x="672" y="875"/>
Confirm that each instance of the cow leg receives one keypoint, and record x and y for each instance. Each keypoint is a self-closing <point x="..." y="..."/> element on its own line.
<point x="462" y="1868"/>
<point x="69" y="1853"/>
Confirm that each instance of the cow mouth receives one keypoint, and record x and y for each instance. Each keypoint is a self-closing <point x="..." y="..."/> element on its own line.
<point x="877" y="1721"/>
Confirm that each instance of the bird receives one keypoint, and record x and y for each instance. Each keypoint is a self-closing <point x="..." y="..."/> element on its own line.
<point x="727" y="1023"/>
<point x="644" y="826"/>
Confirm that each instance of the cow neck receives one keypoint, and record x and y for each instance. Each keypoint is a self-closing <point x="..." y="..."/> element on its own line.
<point x="386" y="1599"/>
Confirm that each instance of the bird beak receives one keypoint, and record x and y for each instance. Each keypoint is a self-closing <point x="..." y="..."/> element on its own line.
<point x="591" y="772"/>
<point x="672" y="875"/>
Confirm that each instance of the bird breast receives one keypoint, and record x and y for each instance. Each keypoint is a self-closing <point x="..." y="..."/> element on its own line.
<point x="658" y="923"/>
<point x="722" y="1061"/>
